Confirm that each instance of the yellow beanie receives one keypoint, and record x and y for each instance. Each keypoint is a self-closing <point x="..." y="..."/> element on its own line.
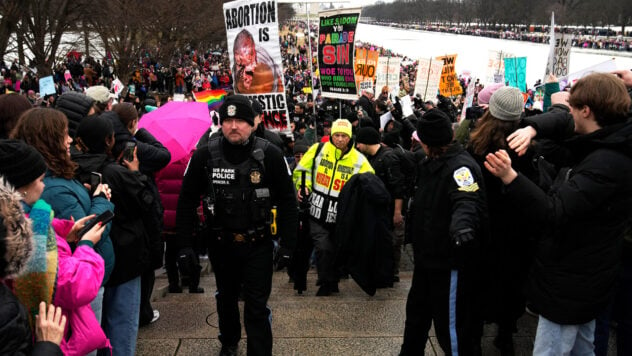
<point x="341" y="126"/>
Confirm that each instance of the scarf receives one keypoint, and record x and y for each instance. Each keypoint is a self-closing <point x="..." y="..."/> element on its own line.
<point x="37" y="282"/>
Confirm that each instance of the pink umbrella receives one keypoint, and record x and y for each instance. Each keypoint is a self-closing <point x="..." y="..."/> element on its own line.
<point x="178" y="126"/>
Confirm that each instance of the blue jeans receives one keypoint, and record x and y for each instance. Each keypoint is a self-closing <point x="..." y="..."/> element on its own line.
<point x="553" y="339"/>
<point x="97" y="308"/>
<point x="121" y="307"/>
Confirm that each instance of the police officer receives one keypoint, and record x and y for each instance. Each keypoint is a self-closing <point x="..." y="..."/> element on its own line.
<point x="449" y="218"/>
<point x="240" y="178"/>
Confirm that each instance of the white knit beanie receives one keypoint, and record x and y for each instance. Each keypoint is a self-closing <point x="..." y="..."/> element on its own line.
<point x="506" y="104"/>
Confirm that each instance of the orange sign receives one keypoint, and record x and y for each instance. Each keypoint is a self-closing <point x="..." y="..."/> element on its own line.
<point x="365" y="64"/>
<point x="449" y="84"/>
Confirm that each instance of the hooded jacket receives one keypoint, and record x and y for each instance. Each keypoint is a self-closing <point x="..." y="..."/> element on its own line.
<point x="585" y="213"/>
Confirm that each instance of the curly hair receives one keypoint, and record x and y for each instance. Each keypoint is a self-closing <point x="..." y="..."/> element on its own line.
<point x="47" y="131"/>
<point x="491" y="134"/>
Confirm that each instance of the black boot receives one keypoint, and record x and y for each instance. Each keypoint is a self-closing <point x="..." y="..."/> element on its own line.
<point x="324" y="290"/>
<point x="228" y="350"/>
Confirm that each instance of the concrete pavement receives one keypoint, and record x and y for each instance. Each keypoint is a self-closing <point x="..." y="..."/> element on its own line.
<point x="350" y="323"/>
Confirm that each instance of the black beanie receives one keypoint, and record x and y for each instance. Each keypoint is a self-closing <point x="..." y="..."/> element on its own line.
<point x="20" y="163"/>
<point x="93" y="130"/>
<point x="368" y="136"/>
<point x="300" y="147"/>
<point x="435" y="129"/>
<point x="238" y="107"/>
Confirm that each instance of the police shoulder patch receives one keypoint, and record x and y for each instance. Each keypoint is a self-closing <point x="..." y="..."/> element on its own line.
<point x="465" y="180"/>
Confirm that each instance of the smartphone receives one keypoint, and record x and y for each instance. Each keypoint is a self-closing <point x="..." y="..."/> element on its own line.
<point x="104" y="218"/>
<point x="95" y="179"/>
<point x="128" y="152"/>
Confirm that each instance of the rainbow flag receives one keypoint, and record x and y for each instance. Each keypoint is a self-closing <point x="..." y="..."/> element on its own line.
<point x="214" y="98"/>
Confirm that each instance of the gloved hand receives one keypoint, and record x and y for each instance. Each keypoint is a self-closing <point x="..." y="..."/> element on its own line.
<point x="187" y="259"/>
<point x="463" y="237"/>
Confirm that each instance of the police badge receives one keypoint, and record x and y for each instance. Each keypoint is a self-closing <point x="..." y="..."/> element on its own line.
<point x="255" y="177"/>
<point x="231" y="110"/>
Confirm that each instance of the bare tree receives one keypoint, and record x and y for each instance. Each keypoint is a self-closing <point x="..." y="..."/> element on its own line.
<point x="42" y="25"/>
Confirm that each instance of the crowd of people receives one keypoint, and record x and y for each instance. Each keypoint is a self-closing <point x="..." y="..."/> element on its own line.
<point x="509" y="209"/>
<point x="581" y="38"/>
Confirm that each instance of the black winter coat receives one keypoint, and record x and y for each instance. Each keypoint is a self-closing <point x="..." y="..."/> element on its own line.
<point x="364" y="242"/>
<point x="15" y="333"/>
<point x="449" y="201"/>
<point x="585" y="212"/>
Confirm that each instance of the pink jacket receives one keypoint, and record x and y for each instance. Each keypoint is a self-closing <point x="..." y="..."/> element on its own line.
<point x="79" y="277"/>
<point x="169" y="182"/>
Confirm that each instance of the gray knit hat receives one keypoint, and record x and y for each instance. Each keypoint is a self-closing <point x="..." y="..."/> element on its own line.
<point x="506" y="104"/>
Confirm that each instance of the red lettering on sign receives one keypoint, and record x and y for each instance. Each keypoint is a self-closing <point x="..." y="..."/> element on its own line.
<point x="338" y="184"/>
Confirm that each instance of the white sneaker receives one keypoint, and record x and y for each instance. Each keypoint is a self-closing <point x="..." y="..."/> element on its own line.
<point x="156" y="316"/>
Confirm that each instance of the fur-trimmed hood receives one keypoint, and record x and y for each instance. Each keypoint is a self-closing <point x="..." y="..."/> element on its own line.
<point x="16" y="234"/>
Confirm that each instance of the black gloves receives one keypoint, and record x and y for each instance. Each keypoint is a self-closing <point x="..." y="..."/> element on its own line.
<point x="463" y="237"/>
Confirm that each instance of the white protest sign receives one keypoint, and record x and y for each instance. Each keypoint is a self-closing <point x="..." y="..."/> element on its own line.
<point x="385" y="119"/>
<point x="387" y="74"/>
<point x="604" y="67"/>
<point x="407" y="105"/>
<point x="561" y="56"/>
<point x="428" y="78"/>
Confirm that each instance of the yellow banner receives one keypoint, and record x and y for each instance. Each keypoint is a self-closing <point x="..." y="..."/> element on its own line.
<point x="449" y="84"/>
<point x="365" y="63"/>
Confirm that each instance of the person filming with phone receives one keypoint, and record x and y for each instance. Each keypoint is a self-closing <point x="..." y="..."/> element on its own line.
<point x="108" y="147"/>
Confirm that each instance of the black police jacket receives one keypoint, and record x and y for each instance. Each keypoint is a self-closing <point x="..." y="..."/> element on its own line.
<point x="449" y="201"/>
<point x="276" y="178"/>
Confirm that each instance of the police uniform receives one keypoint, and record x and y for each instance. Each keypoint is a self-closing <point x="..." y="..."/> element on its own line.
<point x="449" y="217"/>
<point x="239" y="185"/>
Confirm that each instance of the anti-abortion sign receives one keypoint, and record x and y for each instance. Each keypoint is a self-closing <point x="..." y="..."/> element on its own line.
<point x="252" y="34"/>
<point x="365" y="66"/>
<point x="516" y="73"/>
<point x="47" y="86"/>
<point x="336" y="36"/>
<point x="449" y="84"/>
<point x="428" y="77"/>
<point x="496" y="66"/>
<point x="388" y="69"/>
<point x="561" y="56"/>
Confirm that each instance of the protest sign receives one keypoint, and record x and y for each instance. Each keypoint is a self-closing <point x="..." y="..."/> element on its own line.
<point x="407" y="105"/>
<point x="252" y="35"/>
<point x="516" y="73"/>
<point x="365" y="66"/>
<point x="384" y="119"/>
<point x="496" y="66"/>
<point x="561" y="58"/>
<point x="469" y="98"/>
<point x="117" y="86"/>
<point x="336" y="36"/>
<point x="178" y="97"/>
<point x="428" y="77"/>
<point x="388" y="69"/>
<point x="449" y="84"/>
<point x="47" y="86"/>
<point x="604" y="67"/>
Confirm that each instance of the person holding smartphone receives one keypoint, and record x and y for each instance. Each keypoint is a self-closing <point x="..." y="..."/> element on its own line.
<point x="73" y="278"/>
<point x="47" y="130"/>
